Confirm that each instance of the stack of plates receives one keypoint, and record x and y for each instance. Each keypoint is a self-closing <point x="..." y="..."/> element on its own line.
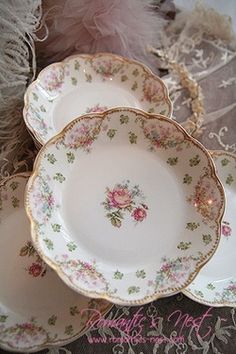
<point x="123" y="205"/>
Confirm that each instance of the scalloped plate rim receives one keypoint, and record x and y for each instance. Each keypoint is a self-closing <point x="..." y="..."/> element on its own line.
<point x="61" y="342"/>
<point x="34" y="132"/>
<point x="56" y="268"/>
<point x="189" y="293"/>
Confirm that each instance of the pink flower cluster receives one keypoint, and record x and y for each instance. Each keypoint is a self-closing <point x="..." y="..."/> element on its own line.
<point x="121" y="198"/>
<point x="152" y="91"/>
<point x="35" y="269"/>
<point x="139" y="214"/>
<point x="226" y="230"/>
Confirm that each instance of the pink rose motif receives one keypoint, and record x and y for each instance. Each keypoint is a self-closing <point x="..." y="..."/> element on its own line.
<point x="139" y="214"/>
<point x="165" y="267"/>
<point x="35" y="269"/>
<point x="96" y="108"/>
<point x="226" y="230"/>
<point x="152" y="91"/>
<point x="232" y="287"/>
<point x="120" y="198"/>
<point x="27" y="325"/>
<point x="51" y="200"/>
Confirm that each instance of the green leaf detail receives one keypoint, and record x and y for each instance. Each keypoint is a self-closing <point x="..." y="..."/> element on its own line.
<point x="124" y="78"/>
<point x="135" y="86"/>
<point x="224" y="162"/>
<point x="210" y="286"/>
<point x="133" y="290"/>
<point x="15" y="202"/>
<point x="192" y="226"/>
<point x="74" y="310"/>
<point x="74" y="81"/>
<point x="70" y="157"/>
<point x="51" y="158"/>
<point x="52" y="320"/>
<point x="118" y="275"/>
<point x="172" y="161"/>
<point x="59" y="177"/>
<point x="187" y="179"/>
<point x="133" y="138"/>
<point x="35" y="97"/>
<point x="28" y="249"/>
<point x="3" y="318"/>
<point x="116" y="214"/>
<point x="69" y="330"/>
<point x="24" y="251"/>
<point x="88" y="77"/>
<point x="151" y="110"/>
<point x="229" y="179"/>
<point x="199" y="293"/>
<point x="115" y="222"/>
<point x="77" y="65"/>
<point x="135" y="72"/>
<point x="194" y="161"/>
<point x="71" y="246"/>
<point x="56" y="227"/>
<point x="49" y="244"/>
<point x="207" y="239"/>
<point x="163" y="112"/>
<point x="42" y="108"/>
<point x="111" y="133"/>
<point x="14" y="185"/>
<point x="124" y="119"/>
<point x="184" y="245"/>
<point x="141" y="274"/>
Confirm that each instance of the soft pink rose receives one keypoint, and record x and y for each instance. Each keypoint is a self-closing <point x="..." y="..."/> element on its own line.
<point x="119" y="198"/>
<point x="232" y="287"/>
<point x="165" y="267"/>
<point x="26" y="326"/>
<point x="35" y="269"/>
<point x="139" y="214"/>
<point x="96" y="108"/>
<point x="51" y="200"/>
<point x="226" y="230"/>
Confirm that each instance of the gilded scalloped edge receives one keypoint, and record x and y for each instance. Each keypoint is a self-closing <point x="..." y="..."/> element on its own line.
<point x="90" y="56"/>
<point x="188" y="293"/>
<point x="115" y="299"/>
<point x="46" y="344"/>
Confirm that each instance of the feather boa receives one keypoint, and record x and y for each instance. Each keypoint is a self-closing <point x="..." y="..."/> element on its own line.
<point x="18" y="21"/>
<point x="89" y="26"/>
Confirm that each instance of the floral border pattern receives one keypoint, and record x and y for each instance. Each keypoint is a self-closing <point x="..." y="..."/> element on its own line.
<point x="19" y="332"/>
<point x="110" y="131"/>
<point x="132" y="75"/>
<point x="219" y="293"/>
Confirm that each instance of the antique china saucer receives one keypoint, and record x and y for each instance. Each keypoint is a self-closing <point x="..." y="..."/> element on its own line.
<point x="90" y="83"/>
<point x="37" y="310"/>
<point x="125" y="206"/>
<point x="215" y="285"/>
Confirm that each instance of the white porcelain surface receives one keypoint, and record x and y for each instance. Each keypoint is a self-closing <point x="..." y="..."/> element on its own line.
<point x="125" y="206"/>
<point x="215" y="285"/>
<point x="37" y="309"/>
<point x="90" y="83"/>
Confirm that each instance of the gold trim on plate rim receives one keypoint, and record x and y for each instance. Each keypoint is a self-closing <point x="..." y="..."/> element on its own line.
<point x="148" y="71"/>
<point x="50" y="344"/>
<point x="104" y="296"/>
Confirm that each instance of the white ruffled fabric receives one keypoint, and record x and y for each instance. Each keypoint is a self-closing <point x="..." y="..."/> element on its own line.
<point x="115" y="26"/>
